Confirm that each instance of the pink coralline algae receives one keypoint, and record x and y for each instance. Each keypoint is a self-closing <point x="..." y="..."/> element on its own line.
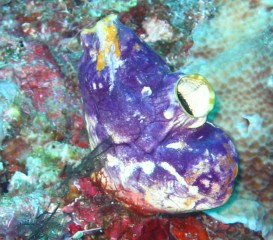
<point x="118" y="224"/>
<point x="163" y="160"/>
<point x="93" y="209"/>
<point x="40" y="79"/>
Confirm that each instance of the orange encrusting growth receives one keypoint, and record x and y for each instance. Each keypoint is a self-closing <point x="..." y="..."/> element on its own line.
<point x="107" y="33"/>
<point x="110" y="44"/>
<point x="139" y="205"/>
<point x="188" y="228"/>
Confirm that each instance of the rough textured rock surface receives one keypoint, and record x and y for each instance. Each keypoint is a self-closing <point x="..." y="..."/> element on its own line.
<point x="37" y="149"/>
<point x="234" y="50"/>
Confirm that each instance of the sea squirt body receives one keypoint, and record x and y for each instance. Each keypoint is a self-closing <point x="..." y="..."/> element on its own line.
<point x="163" y="160"/>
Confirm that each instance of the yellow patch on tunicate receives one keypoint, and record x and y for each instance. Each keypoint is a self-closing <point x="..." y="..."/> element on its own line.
<point x="215" y="187"/>
<point x="195" y="95"/>
<point x="110" y="44"/>
<point x="93" y="176"/>
<point x="108" y="39"/>
<point x="235" y="172"/>
<point x="190" y="179"/>
<point x="136" y="47"/>
<point x="230" y="160"/>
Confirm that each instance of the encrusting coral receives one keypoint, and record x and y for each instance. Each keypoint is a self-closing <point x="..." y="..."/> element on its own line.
<point x="234" y="50"/>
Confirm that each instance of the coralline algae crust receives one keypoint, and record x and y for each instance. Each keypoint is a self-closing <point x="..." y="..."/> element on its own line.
<point x="162" y="159"/>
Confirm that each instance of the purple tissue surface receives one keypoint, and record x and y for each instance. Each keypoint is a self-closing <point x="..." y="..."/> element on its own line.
<point x="162" y="159"/>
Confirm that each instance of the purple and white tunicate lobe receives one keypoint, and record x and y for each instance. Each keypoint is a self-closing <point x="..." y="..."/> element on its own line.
<point x="163" y="160"/>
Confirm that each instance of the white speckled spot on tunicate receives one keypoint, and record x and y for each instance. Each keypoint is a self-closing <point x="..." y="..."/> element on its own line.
<point x="146" y="91"/>
<point x="168" y="114"/>
<point x="127" y="171"/>
<point x="206" y="153"/>
<point x="148" y="167"/>
<point x="206" y="182"/>
<point x="93" y="54"/>
<point x="112" y="161"/>
<point x="91" y="124"/>
<point x="192" y="190"/>
<point x="176" y="145"/>
<point x="173" y="172"/>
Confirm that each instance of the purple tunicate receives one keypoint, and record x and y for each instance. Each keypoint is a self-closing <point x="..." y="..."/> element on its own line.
<point x="164" y="159"/>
